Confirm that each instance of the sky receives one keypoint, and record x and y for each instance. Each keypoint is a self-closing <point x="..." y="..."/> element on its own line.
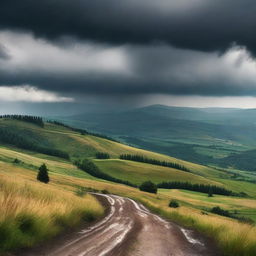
<point x="68" y="54"/>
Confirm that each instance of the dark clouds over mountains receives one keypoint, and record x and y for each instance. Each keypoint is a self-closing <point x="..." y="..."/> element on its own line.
<point x="192" y="47"/>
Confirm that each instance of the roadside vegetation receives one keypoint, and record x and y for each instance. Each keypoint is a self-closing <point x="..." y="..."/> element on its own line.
<point x="31" y="211"/>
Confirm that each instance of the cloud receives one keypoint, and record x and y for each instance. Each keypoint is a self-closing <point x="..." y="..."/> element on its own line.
<point x="78" y="69"/>
<point x="203" y="25"/>
<point x="27" y="93"/>
<point x="4" y="53"/>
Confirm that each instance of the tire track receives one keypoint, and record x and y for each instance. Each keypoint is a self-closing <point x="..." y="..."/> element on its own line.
<point x="129" y="229"/>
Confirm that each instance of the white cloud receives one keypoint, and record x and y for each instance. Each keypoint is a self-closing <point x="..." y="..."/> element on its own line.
<point x="27" y="93"/>
<point x="30" y="54"/>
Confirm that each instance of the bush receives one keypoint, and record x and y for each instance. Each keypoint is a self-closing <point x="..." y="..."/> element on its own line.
<point x="174" y="204"/>
<point x="16" y="161"/>
<point x="43" y="174"/>
<point x="105" y="191"/>
<point x="148" y="186"/>
<point x="220" y="211"/>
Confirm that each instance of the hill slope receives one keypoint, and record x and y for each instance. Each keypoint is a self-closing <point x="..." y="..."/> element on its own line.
<point x="69" y="184"/>
<point x="80" y="146"/>
<point x="196" y="135"/>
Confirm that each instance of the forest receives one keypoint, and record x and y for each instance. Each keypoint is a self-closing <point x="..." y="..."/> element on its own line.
<point x="25" y="118"/>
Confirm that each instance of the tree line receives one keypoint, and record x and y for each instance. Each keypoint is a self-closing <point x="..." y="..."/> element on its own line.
<point x="102" y="155"/>
<point x="9" y="137"/>
<point x="25" y="118"/>
<point x="143" y="159"/>
<point x="196" y="187"/>
<point x="89" y="167"/>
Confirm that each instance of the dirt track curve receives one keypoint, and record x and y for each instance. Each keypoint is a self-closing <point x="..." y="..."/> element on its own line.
<point x="129" y="229"/>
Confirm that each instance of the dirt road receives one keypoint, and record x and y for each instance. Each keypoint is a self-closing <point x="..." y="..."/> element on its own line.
<point x="130" y="229"/>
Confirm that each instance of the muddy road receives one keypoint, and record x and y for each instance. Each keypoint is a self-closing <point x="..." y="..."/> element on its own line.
<point x="129" y="229"/>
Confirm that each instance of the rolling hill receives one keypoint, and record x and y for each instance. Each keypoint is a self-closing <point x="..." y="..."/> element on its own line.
<point x="67" y="182"/>
<point x="197" y="135"/>
<point x="79" y="145"/>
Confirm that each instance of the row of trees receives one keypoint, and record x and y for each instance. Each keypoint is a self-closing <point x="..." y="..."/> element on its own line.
<point x="212" y="189"/>
<point x="25" y="118"/>
<point x="143" y="159"/>
<point x="89" y="167"/>
<point x="102" y="155"/>
<point x="13" y="138"/>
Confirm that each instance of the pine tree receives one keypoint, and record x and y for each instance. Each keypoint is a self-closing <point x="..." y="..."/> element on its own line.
<point x="43" y="174"/>
<point x="210" y="193"/>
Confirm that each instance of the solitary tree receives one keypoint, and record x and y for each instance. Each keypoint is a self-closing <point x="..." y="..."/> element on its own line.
<point x="43" y="174"/>
<point x="210" y="193"/>
<point x="148" y="186"/>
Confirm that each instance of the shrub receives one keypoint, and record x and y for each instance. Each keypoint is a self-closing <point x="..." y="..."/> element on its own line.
<point x="220" y="211"/>
<point x="174" y="204"/>
<point x="16" y="161"/>
<point x="43" y="174"/>
<point x="105" y="191"/>
<point x="148" y="186"/>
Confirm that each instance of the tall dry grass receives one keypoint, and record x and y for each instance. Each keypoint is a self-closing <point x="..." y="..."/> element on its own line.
<point x="232" y="237"/>
<point x="32" y="211"/>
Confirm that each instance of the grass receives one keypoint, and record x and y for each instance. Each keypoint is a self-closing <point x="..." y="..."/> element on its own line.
<point x="137" y="173"/>
<point x="244" y="206"/>
<point x="80" y="146"/>
<point x="31" y="211"/>
<point x="63" y="203"/>
<point x="233" y="238"/>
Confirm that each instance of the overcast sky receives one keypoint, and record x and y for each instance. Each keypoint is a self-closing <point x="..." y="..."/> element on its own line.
<point x="198" y="53"/>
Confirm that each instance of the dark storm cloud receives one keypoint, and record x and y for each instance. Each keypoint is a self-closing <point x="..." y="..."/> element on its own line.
<point x="205" y="25"/>
<point x="90" y="68"/>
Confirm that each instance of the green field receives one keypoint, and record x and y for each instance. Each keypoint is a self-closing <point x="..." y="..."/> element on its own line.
<point x="139" y="172"/>
<point x="242" y="207"/>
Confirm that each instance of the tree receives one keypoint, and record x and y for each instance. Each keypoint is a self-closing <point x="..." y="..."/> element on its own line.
<point x="43" y="174"/>
<point x="148" y="186"/>
<point x="210" y="193"/>
<point x="174" y="204"/>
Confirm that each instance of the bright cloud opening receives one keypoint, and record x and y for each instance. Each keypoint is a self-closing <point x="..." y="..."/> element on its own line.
<point x="27" y="93"/>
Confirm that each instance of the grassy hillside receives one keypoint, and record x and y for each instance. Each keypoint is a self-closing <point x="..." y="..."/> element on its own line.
<point x="197" y="135"/>
<point x="139" y="172"/>
<point x="51" y="200"/>
<point x="81" y="146"/>
<point x="31" y="212"/>
<point x="63" y="202"/>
